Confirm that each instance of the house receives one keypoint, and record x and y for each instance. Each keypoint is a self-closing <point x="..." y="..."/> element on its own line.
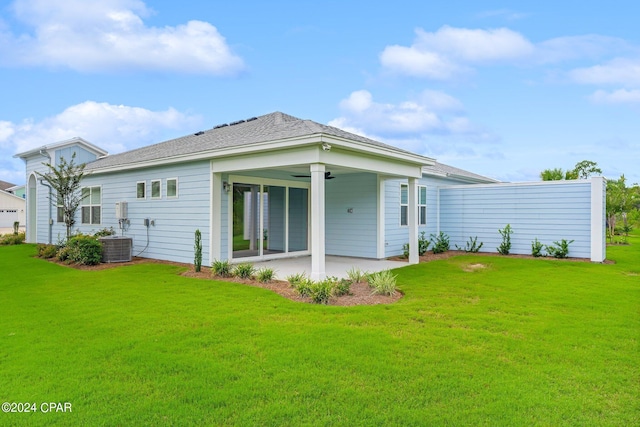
<point x="12" y="208"/>
<point x="278" y="186"/>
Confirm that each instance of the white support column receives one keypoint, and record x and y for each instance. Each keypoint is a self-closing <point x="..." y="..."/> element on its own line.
<point x="381" y="218"/>
<point x="317" y="222"/>
<point x="215" y="235"/>
<point x="598" y="212"/>
<point x="413" y="221"/>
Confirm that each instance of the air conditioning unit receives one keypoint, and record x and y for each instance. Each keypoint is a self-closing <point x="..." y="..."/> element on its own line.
<point x="116" y="248"/>
<point x="121" y="210"/>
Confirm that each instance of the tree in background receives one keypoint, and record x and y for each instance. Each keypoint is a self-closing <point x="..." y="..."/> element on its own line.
<point x="65" y="179"/>
<point x="582" y="170"/>
<point x="622" y="202"/>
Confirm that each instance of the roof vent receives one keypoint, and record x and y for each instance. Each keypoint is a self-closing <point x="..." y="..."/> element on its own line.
<point x="220" y="126"/>
<point x="236" y="123"/>
<point x="199" y="133"/>
<point x="252" y="119"/>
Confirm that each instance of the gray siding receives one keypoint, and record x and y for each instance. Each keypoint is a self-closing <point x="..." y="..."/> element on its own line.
<point x="351" y="234"/>
<point x="176" y="219"/>
<point x="546" y="211"/>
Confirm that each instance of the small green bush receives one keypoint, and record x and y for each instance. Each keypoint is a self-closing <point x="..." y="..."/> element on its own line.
<point x="244" y="270"/>
<point x="537" y="248"/>
<point x="46" y="251"/>
<point x="197" y="247"/>
<point x="321" y="291"/>
<point x="472" y="245"/>
<point x="505" y="246"/>
<point x="356" y="275"/>
<point x="294" y="279"/>
<point x="440" y="243"/>
<point x="302" y="286"/>
<point x="559" y="249"/>
<point x="221" y="268"/>
<point x="12" y="239"/>
<point x="265" y="274"/>
<point x="104" y="232"/>
<point x="383" y="283"/>
<point x="342" y="287"/>
<point x="64" y="254"/>
<point x="85" y="249"/>
<point x="423" y="246"/>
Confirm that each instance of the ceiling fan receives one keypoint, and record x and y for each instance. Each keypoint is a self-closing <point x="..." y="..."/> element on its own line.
<point x="327" y="175"/>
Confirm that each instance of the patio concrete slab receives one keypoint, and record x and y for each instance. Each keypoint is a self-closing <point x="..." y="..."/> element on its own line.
<point x="334" y="265"/>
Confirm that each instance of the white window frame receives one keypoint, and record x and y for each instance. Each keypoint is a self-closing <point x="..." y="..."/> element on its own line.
<point x="144" y="190"/>
<point x="59" y="210"/>
<point x="167" y="189"/>
<point x="422" y="205"/>
<point x="90" y="205"/>
<point x="159" y="196"/>
<point x="404" y="205"/>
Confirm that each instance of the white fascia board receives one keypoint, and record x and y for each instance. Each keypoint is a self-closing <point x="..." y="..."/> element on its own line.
<point x="76" y="140"/>
<point x="10" y="195"/>
<point x="526" y="184"/>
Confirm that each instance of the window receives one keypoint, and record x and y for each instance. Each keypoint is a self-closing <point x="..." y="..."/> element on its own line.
<point x="91" y="205"/>
<point x="404" y="204"/>
<point x="172" y="188"/>
<point x="422" y="205"/>
<point x="60" y="210"/>
<point x="141" y="190"/>
<point x="155" y="189"/>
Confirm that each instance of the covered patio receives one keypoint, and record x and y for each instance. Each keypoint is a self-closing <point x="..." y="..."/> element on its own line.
<point x="335" y="266"/>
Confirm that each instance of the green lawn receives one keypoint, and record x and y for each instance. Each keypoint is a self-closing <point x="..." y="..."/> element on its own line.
<point x="520" y="342"/>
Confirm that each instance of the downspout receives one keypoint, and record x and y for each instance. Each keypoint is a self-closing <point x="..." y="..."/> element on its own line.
<point x="44" y="153"/>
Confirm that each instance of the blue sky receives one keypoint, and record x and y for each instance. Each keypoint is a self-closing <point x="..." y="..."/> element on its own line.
<point x="504" y="89"/>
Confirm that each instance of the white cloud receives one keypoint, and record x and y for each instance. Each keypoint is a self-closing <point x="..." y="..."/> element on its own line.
<point x="111" y="35"/>
<point x="448" y="51"/>
<point x="620" y="96"/>
<point x="620" y="71"/>
<point x="433" y="124"/>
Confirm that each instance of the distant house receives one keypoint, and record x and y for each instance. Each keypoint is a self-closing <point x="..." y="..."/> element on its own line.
<point x="12" y="208"/>
<point x="278" y="186"/>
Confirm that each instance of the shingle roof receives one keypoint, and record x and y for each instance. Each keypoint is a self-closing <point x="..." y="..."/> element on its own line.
<point x="5" y="185"/>
<point x="442" y="169"/>
<point x="270" y="127"/>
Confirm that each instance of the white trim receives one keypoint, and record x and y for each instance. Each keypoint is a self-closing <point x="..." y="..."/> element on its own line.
<point x="90" y="205"/>
<point x="404" y="204"/>
<point x="32" y="223"/>
<point x="413" y="221"/>
<point x="381" y="218"/>
<point x="317" y="221"/>
<point x="167" y="188"/>
<point x="421" y="205"/>
<point x="521" y="184"/>
<point x="159" y="197"/>
<point x="76" y="140"/>
<point x="598" y="234"/>
<point x="215" y="217"/>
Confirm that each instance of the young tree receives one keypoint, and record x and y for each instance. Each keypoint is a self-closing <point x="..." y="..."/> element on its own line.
<point x="552" y="174"/>
<point x="64" y="179"/>
<point x="585" y="169"/>
<point x="620" y="201"/>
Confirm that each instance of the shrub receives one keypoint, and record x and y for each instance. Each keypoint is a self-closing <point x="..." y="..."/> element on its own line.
<point x="356" y="275"/>
<point x="537" y="248"/>
<point x="64" y="254"/>
<point x="383" y="283"/>
<point x="440" y="243"/>
<point x="12" y="239"/>
<point x="472" y="245"/>
<point x="321" y="291"/>
<point x="294" y="279"/>
<point x="221" y="268"/>
<point x="559" y="249"/>
<point x="104" y="232"/>
<point x="505" y="246"/>
<point x="244" y="270"/>
<point x="423" y="246"/>
<point x="46" y="251"/>
<point x="265" y="274"/>
<point x="302" y="286"/>
<point x="342" y="287"/>
<point x="197" y="247"/>
<point x="84" y="249"/>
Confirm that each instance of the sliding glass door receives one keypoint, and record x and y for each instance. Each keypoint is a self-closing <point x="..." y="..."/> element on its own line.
<point x="268" y="219"/>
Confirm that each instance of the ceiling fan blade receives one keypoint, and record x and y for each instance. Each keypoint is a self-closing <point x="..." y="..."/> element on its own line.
<point x="327" y="175"/>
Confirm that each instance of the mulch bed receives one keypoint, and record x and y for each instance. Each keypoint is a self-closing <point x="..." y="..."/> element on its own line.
<point x="360" y="292"/>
